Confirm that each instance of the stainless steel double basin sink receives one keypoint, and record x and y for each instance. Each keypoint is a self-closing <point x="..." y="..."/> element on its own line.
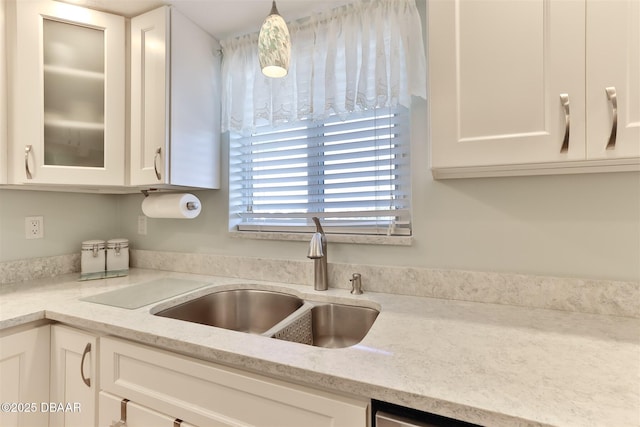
<point x="278" y="315"/>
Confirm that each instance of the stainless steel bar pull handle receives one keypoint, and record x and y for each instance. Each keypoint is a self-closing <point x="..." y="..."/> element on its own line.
<point x="27" y="150"/>
<point x="613" y="100"/>
<point x="155" y="163"/>
<point x="86" y="351"/>
<point x="564" y="100"/>
<point x="123" y="415"/>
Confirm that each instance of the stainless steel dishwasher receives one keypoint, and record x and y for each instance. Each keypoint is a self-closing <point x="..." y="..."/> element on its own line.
<point x="388" y="420"/>
<point x="390" y="415"/>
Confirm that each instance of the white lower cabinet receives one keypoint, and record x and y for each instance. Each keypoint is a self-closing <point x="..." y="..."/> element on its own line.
<point x="74" y="382"/>
<point x="24" y="376"/>
<point x="206" y="394"/>
<point x="55" y="375"/>
<point x="3" y="94"/>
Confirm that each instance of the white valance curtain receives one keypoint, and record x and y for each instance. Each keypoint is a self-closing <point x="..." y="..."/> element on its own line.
<point x="356" y="57"/>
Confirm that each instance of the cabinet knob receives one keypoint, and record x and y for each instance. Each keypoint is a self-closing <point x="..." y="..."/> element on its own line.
<point x="613" y="101"/>
<point x="564" y="100"/>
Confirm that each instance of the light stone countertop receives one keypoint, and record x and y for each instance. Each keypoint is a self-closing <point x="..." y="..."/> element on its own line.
<point x="490" y="364"/>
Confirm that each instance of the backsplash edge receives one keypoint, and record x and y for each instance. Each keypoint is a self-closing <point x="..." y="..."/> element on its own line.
<point x="38" y="268"/>
<point x="605" y="297"/>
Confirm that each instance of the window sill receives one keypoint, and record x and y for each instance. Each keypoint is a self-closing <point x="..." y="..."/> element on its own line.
<point x="333" y="238"/>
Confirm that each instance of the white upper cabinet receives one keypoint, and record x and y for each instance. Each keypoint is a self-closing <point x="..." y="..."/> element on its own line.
<point x="507" y="86"/>
<point x="67" y="74"/>
<point x="175" y="102"/>
<point x="497" y="70"/>
<point x="613" y="79"/>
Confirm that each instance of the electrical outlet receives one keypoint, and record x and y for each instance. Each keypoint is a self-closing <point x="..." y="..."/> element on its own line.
<point x="142" y="225"/>
<point x="34" y="227"/>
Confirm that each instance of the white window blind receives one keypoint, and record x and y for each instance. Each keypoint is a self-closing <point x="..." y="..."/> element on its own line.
<point x="353" y="174"/>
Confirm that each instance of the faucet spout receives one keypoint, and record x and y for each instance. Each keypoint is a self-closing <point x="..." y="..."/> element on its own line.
<point x="319" y="229"/>
<point x="318" y="253"/>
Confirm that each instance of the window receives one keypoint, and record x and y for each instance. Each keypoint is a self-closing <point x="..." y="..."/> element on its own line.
<point x="353" y="173"/>
<point x="331" y="139"/>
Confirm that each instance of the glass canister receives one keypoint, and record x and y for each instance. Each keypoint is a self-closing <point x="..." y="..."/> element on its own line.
<point x="117" y="257"/>
<point x="93" y="259"/>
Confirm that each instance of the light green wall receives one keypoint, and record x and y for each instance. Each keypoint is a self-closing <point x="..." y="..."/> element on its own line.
<point x="571" y="225"/>
<point x="575" y="225"/>
<point x="69" y="218"/>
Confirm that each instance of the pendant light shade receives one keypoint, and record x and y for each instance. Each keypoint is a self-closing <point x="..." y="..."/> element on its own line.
<point x="274" y="45"/>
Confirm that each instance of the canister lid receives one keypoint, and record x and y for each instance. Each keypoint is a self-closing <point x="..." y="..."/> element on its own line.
<point x="123" y="243"/>
<point x="89" y="244"/>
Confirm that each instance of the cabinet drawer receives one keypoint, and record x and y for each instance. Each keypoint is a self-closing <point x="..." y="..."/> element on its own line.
<point x="203" y="393"/>
<point x="136" y="415"/>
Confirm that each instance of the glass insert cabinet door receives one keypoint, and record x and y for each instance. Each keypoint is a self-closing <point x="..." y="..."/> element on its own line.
<point x="73" y="58"/>
<point x="69" y="125"/>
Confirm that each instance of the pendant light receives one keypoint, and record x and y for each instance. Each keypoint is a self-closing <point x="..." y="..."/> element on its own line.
<point x="274" y="45"/>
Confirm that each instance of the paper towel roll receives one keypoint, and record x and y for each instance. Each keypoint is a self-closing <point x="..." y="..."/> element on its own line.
<point x="173" y="205"/>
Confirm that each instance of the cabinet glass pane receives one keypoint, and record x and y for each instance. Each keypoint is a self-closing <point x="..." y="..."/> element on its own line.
<point x="74" y="125"/>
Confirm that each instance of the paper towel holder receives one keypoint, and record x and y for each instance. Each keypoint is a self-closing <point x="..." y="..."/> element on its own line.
<point x="191" y="206"/>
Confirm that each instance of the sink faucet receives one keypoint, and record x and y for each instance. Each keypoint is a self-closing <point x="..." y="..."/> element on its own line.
<point x="318" y="253"/>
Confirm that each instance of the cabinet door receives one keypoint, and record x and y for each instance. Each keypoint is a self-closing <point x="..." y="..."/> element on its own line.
<point x="195" y="105"/>
<point x="3" y="96"/>
<point x="613" y="75"/>
<point x="136" y="416"/>
<point x="175" y="102"/>
<point x="24" y="377"/>
<point x="149" y="97"/>
<point x="497" y="73"/>
<point x="68" y="75"/>
<point x="73" y="376"/>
